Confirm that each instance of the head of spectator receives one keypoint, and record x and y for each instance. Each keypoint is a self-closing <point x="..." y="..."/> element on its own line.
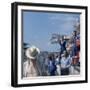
<point x="65" y="54"/>
<point x="74" y="33"/>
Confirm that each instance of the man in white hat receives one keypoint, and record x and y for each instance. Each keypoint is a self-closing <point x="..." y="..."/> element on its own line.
<point x="30" y="67"/>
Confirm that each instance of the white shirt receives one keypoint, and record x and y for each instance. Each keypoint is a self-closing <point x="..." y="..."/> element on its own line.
<point x="29" y="70"/>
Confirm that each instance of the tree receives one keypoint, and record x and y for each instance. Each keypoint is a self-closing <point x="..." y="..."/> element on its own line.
<point x="55" y="39"/>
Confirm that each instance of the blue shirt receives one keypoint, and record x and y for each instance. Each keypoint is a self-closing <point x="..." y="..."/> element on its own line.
<point x="51" y="66"/>
<point x="66" y="62"/>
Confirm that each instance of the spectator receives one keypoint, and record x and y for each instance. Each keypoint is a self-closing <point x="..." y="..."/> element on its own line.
<point x="65" y="64"/>
<point x="51" y="66"/>
<point x="74" y="48"/>
<point x="62" y="44"/>
<point x="57" y="63"/>
<point x="30" y="66"/>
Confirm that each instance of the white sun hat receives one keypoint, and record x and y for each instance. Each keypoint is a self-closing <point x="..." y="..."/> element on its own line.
<point x="32" y="52"/>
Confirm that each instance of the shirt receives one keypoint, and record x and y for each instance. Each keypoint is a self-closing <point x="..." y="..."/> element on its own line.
<point x="57" y="61"/>
<point x="51" y="66"/>
<point x="66" y="62"/>
<point x="29" y="70"/>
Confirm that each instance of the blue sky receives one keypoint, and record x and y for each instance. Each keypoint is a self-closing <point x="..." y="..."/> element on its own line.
<point x="38" y="28"/>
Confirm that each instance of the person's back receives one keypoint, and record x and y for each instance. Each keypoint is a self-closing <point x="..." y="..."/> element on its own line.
<point x="30" y="66"/>
<point x="51" y="67"/>
<point x="63" y="46"/>
<point x="30" y="70"/>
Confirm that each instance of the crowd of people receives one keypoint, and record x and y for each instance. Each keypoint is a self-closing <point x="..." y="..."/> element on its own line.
<point x="68" y="57"/>
<point x="55" y="64"/>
